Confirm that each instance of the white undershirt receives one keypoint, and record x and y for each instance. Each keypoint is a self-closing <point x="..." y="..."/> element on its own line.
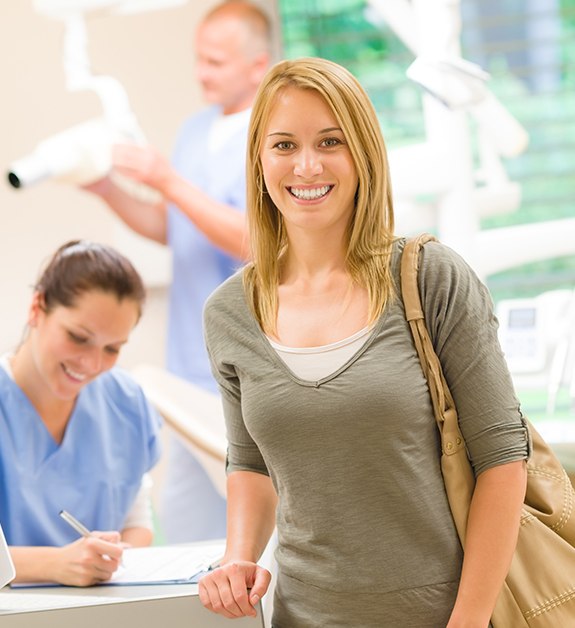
<point x="140" y="514"/>
<point x="223" y="127"/>
<point x="315" y="363"/>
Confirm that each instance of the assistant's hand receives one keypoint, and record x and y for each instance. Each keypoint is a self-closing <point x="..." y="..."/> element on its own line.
<point x="234" y="589"/>
<point x="143" y="164"/>
<point x="89" y="560"/>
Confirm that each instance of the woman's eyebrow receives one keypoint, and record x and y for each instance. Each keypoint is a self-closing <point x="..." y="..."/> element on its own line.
<point x="288" y="134"/>
<point x="282" y="133"/>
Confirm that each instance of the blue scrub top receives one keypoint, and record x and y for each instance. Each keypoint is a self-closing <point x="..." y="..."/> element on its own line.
<point x="199" y="267"/>
<point x="112" y="439"/>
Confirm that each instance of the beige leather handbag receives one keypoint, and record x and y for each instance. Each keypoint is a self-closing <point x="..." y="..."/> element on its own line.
<point x="539" y="590"/>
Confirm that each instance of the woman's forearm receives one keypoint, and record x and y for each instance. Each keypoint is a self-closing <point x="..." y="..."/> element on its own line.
<point x="35" y="564"/>
<point x="234" y="589"/>
<point x="492" y="530"/>
<point x="252" y="502"/>
<point x="137" y="536"/>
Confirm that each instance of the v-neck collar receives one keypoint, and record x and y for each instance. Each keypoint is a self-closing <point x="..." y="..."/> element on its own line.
<point x="279" y="363"/>
<point x="29" y="414"/>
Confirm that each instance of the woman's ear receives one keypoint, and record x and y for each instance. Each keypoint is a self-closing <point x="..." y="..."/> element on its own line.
<point x="37" y="307"/>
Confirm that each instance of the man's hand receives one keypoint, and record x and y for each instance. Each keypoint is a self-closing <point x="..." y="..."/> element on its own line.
<point x="143" y="164"/>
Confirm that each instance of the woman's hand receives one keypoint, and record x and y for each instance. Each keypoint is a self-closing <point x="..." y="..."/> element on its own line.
<point x="234" y="589"/>
<point x="90" y="560"/>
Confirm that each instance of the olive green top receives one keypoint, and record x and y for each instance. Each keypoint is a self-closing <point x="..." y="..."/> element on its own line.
<point x="364" y="525"/>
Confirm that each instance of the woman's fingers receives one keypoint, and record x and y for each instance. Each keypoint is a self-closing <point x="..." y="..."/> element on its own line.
<point x="211" y="592"/>
<point x="260" y="586"/>
<point x="233" y="589"/>
<point x="239" y="581"/>
<point x="95" y="558"/>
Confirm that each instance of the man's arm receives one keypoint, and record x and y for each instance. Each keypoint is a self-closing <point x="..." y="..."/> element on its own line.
<point x="148" y="219"/>
<point x="223" y="225"/>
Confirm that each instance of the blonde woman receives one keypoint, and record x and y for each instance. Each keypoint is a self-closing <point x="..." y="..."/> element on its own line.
<point x="331" y="431"/>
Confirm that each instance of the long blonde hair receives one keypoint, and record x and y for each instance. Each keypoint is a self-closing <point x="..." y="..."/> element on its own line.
<point x="370" y="232"/>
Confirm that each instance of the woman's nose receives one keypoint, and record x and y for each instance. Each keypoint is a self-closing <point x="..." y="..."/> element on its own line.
<point x="92" y="361"/>
<point x="307" y="164"/>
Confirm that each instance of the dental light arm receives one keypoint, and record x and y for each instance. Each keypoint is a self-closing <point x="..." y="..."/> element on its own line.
<point x="82" y="154"/>
<point x="78" y="155"/>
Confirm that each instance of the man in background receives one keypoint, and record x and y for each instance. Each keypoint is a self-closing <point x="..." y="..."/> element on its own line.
<point x="201" y="218"/>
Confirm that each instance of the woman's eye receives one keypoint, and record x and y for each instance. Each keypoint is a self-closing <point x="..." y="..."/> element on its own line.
<point x="77" y="339"/>
<point x="284" y="145"/>
<point x="112" y="350"/>
<point x="329" y="142"/>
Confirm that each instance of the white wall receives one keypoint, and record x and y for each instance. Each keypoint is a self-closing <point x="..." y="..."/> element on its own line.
<point x="152" y="56"/>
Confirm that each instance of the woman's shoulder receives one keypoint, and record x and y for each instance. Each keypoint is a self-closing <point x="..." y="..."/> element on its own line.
<point x="228" y="295"/>
<point x="227" y="315"/>
<point x="449" y="287"/>
<point x="438" y="261"/>
<point x="444" y="268"/>
<point x="433" y="249"/>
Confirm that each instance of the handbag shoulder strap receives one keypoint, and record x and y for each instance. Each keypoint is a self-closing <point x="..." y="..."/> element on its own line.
<point x="442" y="401"/>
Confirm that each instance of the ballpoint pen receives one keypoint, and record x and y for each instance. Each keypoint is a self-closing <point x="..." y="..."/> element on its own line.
<point x="79" y="527"/>
<point x="72" y="521"/>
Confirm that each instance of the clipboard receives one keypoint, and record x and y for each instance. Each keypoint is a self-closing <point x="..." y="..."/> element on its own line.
<point x="169" y="564"/>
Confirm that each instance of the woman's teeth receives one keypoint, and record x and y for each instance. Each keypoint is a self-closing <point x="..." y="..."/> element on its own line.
<point x="310" y="194"/>
<point x="79" y="376"/>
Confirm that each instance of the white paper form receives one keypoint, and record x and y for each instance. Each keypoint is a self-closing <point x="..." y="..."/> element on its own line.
<point x="170" y="564"/>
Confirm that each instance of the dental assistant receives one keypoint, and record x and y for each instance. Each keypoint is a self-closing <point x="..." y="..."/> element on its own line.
<point x="76" y="433"/>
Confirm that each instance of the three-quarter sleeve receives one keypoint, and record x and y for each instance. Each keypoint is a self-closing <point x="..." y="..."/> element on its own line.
<point x="221" y="329"/>
<point x="461" y="320"/>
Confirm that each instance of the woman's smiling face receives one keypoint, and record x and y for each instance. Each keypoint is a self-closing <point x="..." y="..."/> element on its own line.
<point x="73" y="345"/>
<point x="307" y="165"/>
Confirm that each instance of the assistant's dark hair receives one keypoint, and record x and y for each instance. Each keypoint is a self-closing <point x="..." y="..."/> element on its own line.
<point x="81" y="266"/>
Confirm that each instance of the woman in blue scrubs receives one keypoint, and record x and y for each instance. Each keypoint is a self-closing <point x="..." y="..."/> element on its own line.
<point x="76" y="434"/>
